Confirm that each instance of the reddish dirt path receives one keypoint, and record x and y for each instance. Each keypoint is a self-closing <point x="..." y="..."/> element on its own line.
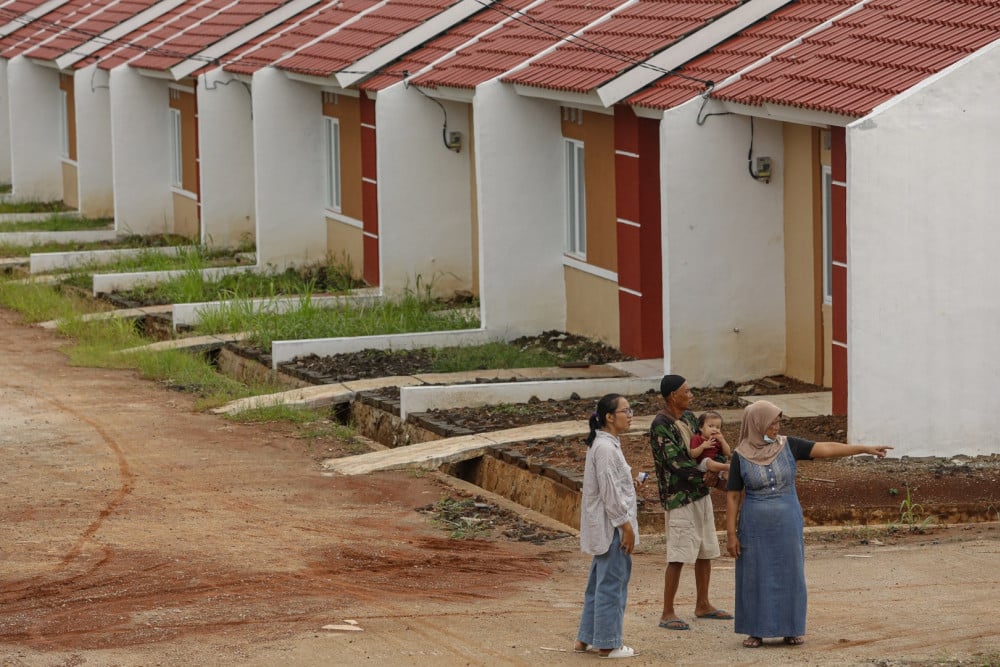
<point x="136" y="531"/>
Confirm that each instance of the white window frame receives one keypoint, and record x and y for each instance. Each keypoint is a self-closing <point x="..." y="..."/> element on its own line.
<point x="576" y="199"/>
<point x="333" y="192"/>
<point x="826" y="186"/>
<point x="176" y="150"/>
<point x="64" y="123"/>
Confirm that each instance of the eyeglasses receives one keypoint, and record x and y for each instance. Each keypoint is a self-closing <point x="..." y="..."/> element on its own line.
<point x="627" y="411"/>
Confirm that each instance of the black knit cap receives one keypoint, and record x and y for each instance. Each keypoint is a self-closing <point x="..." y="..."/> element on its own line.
<point x="670" y="383"/>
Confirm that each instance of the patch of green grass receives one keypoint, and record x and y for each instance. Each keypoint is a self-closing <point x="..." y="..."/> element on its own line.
<point x="108" y="343"/>
<point x="32" y="207"/>
<point x="311" y="423"/>
<point x="131" y="241"/>
<point x="5" y="188"/>
<point x="57" y="223"/>
<point x="408" y="315"/>
<point x="37" y="302"/>
<point x="497" y="354"/>
<point x="191" y="260"/>
<point x="99" y="344"/>
<point x="328" y="276"/>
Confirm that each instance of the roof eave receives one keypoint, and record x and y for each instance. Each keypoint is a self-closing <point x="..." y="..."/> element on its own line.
<point x="588" y="101"/>
<point x="450" y="93"/>
<point x="790" y="114"/>
<point x="327" y="83"/>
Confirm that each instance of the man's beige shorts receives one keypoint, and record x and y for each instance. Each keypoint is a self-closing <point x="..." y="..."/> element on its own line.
<point x="690" y="532"/>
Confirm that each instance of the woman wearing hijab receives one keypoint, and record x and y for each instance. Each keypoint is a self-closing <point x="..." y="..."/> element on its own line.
<point x="768" y="544"/>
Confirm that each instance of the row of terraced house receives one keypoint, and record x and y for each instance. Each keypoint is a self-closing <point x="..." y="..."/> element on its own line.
<point x="741" y="188"/>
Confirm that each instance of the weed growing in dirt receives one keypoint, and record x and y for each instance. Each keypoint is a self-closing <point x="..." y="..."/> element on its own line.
<point x="458" y="517"/>
<point x="911" y="515"/>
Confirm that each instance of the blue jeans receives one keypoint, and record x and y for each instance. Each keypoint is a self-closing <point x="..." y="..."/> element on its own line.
<point x="604" y="600"/>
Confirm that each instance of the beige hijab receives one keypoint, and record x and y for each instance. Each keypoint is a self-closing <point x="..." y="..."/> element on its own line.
<point x="756" y="418"/>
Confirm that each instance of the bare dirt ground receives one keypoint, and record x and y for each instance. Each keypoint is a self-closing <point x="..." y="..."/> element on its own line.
<point x="137" y="531"/>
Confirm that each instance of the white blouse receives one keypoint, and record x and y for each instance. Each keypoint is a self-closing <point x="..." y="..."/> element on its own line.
<point x="608" y="496"/>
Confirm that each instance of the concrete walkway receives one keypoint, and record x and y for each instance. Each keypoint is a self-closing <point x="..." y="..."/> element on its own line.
<point x="816" y="404"/>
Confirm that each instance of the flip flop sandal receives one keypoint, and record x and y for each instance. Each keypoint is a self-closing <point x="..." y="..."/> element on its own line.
<point x="795" y="641"/>
<point x="752" y="642"/>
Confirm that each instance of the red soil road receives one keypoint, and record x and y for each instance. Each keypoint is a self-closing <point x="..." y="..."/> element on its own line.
<point x="137" y="531"/>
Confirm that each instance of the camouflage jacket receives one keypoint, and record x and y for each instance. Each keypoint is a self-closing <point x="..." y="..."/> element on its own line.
<point x="677" y="474"/>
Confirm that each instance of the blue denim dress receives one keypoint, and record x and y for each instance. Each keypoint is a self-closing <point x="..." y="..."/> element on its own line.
<point x="770" y="572"/>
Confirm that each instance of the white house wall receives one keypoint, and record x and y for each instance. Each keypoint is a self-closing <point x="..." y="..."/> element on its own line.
<point x="225" y="148"/>
<point x="36" y="150"/>
<point x="140" y="135"/>
<point x="723" y="255"/>
<point x="519" y="173"/>
<point x="288" y="170"/>
<point x="425" y="207"/>
<point x="93" y="142"/>
<point x="923" y="314"/>
<point x="4" y="125"/>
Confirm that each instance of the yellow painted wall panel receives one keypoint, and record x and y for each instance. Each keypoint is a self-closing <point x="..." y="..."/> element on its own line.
<point x="592" y="306"/>
<point x="347" y="110"/>
<point x="71" y="194"/>
<point x="802" y="295"/>
<point x="345" y="246"/>
<point x="185" y="216"/>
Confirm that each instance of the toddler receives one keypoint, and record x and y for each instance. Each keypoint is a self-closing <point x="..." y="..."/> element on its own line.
<point x="708" y="443"/>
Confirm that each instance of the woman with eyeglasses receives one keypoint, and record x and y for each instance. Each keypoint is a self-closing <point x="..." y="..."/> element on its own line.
<point x="609" y="530"/>
<point x="768" y="542"/>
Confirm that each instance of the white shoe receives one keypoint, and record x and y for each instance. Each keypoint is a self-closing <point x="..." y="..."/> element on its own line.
<point x="621" y="652"/>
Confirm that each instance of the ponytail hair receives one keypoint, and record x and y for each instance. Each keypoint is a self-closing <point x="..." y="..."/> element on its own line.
<point x="606" y="406"/>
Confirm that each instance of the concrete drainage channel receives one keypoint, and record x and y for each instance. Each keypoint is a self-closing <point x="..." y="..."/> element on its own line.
<point x="498" y="470"/>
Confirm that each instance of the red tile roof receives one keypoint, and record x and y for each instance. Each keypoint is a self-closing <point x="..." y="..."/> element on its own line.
<point x="440" y="47"/>
<point x="633" y="34"/>
<point x="154" y="33"/>
<point x="47" y="26"/>
<point x="293" y="34"/>
<point x="15" y="10"/>
<point x="213" y="26"/>
<point x="362" y="37"/>
<point x="99" y="21"/>
<point x="525" y="36"/>
<point x="870" y="56"/>
<point x="740" y="51"/>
